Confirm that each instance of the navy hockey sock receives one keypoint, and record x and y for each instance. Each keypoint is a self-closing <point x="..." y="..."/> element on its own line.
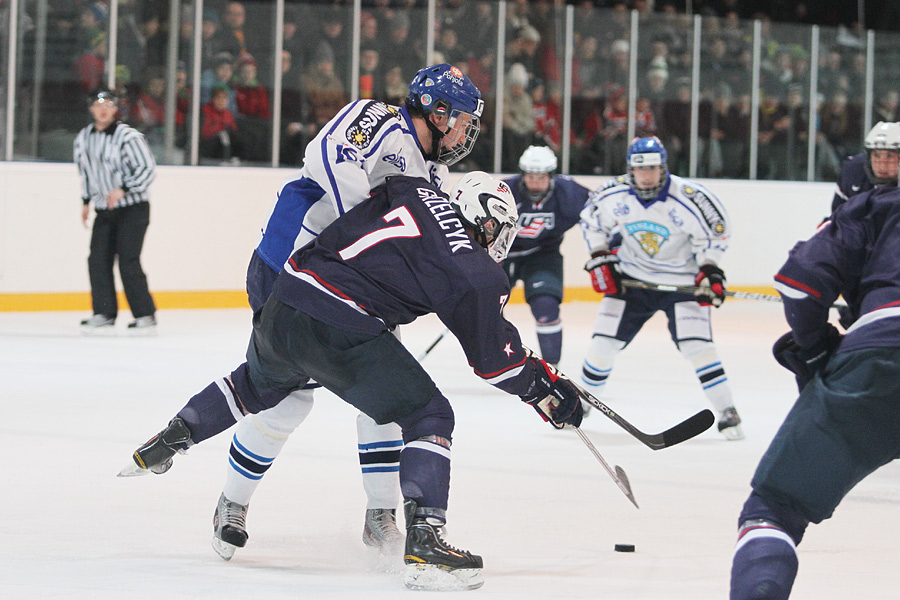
<point x="212" y="411"/>
<point x="425" y="471"/>
<point x="549" y="327"/>
<point x="764" y="565"/>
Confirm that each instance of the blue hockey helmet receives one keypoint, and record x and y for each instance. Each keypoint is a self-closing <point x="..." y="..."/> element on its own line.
<point x="444" y="90"/>
<point x="647" y="152"/>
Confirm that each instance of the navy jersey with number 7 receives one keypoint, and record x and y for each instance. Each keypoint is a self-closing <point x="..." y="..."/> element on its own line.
<point x="401" y="254"/>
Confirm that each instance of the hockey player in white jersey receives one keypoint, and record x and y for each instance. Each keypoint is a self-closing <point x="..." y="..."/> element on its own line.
<point x="674" y="232"/>
<point x="363" y="145"/>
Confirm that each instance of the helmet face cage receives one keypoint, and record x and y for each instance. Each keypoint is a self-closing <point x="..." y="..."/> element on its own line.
<point x="647" y="152"/>
<point x="884" y="136"/>
<point x="445" y="91"/>
<point x="537" y="160"/>
<point x="487" y="206"/>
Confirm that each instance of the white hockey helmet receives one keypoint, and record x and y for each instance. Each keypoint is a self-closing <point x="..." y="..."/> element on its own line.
<point x="487" y="206"/>
<point x="537" y="159"/>
<point x="884" y="136"/>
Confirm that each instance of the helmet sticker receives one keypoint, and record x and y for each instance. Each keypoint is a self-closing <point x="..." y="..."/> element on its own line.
<point x="426" y="99"/>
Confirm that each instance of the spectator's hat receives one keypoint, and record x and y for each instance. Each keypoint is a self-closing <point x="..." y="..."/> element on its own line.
<point x="98" y="9"/>
<point x="517" y="75"/>
<point x="323" y="53"/>
<point x="210" y="15"/>
<point x="620" y="46"/>
<point x="529" y="34"/>
<point x="400" y="21"/>
<point x="245" y="59"/>
<point x="219" y="88"/>
<point x="222" y="58"/>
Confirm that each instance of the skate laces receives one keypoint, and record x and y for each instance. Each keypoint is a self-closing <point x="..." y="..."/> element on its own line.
<point x="232" y="514"/>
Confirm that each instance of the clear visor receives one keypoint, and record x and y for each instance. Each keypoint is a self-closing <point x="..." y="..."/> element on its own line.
<point x="462" y="131"/>
<point x="502" y="242"/>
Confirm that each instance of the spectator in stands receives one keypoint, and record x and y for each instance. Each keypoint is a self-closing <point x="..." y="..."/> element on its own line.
<point x="676" y="119"/>
<point x="220" y="74"/>
<point x="523" y="50"/>
<point x="886" y="107"/>
<point x="253" y="113"/>
<point x="325" y="94"/>
<point x="397" y="49"/>
<point x="182" y="104"/>
<point x="368" y="30"/>
<point x="396" y="88"/>
<point x="91" y="22"/>
<point x="644" y="118"/>
<point x="547" y="114"/>
<point x="212" y="43"/>
<point x="293" y="34"/>
<point x="614" y="135"/>
<point x="148" y="113"/>
<point x="588" y="70"/>
<point x="618" y="67"/>
<point x="294" y="134"/>
<point x="478" y="33"/>
<point x="841" y="124"/>
<point x="371" y="80"/>
<point x="219" y="137"/>
<point x="140" y="43"/>
<point x="448" y="45"/>
<point x="232" y="37"/>
<point x="518" y="118"/>
<point x="730" y="135"/>
<point x="336" y="36"/>
<point x="91" y="64"/>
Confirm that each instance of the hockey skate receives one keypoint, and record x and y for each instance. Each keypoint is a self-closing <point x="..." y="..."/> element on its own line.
<point x="155" y="456"/>
<point x="729" y="424"/>
<point x="380" y="531"/>
<point x="229" y="527"/>
<point x="99" y="325"/>
<point x="143" y="326"/>
<point x="431" y="563"/>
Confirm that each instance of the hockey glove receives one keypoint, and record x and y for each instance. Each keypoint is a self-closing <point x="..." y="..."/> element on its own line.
<point x="804" y="363"/>
<point x="711" y="281"/>
<point x="553" y="396"/>
<point x="604" y="269"/>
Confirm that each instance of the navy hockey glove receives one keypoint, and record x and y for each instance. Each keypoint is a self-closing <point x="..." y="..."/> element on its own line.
<point x="553" y="396"/>
<point x="711" y="280"/>
<point x="604" y="269"/>
<point x="804" y="363"/>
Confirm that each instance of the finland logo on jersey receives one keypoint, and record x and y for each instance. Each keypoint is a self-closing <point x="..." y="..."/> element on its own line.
<point x="368" y="122"/>
<point x="650" y="236"/>
<point x="532" y="224"/>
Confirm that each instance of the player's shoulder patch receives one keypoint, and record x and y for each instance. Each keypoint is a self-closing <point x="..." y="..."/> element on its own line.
<point x="714" y="218"/>
<point x="371" y="118"/>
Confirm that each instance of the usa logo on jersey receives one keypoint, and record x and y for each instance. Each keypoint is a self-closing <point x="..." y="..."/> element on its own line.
<point x="531" y="225"/>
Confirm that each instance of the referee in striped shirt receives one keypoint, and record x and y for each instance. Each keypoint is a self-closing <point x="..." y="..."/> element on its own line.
<point x="116" y="168"/>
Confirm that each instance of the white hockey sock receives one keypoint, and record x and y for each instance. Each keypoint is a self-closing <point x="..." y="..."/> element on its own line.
<point x="257" y="441"/>
<point x="379" y="460"/>
<point x="710" y="372"/>
<point x="599" y="361"/>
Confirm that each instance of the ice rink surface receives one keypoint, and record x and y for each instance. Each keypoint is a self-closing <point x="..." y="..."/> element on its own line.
<point x="531" y="500"/>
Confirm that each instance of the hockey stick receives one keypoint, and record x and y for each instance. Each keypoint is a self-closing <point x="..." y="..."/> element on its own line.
<point x="689" y="289"/>
<point x="690" y="427"/>
<point x="618" y="474"/>
<point x="422" y="356"/>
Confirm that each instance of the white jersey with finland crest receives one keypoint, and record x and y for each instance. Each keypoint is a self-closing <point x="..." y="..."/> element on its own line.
<point x="665" y="240"/>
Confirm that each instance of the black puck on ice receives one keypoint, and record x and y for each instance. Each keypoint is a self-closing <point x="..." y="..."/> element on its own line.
<point x="624" y="548"/>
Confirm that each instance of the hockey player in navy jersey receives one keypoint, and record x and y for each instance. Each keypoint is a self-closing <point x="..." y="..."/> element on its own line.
<point x="365" y="143"/>
<point x="406" y="252"/>
<point x="844" y="425"/>
<point x="674" y="232"/>
<point x="876" y="166"/>
<point x="549" y="205"/>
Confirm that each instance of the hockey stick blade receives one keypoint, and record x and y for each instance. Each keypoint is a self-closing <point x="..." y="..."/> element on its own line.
<point x="617" y="473"/>
<point x="690" y="427"/>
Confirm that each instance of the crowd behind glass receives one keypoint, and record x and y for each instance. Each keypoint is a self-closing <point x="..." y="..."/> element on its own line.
<point x="204" y="90"/>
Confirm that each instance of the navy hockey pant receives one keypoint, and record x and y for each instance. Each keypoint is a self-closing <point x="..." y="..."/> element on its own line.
<point x="844" y="426"/>
<point x="376" y="374"/>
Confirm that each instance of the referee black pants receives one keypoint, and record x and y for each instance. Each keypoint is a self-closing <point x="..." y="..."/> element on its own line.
<point x="120" y="233"/>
